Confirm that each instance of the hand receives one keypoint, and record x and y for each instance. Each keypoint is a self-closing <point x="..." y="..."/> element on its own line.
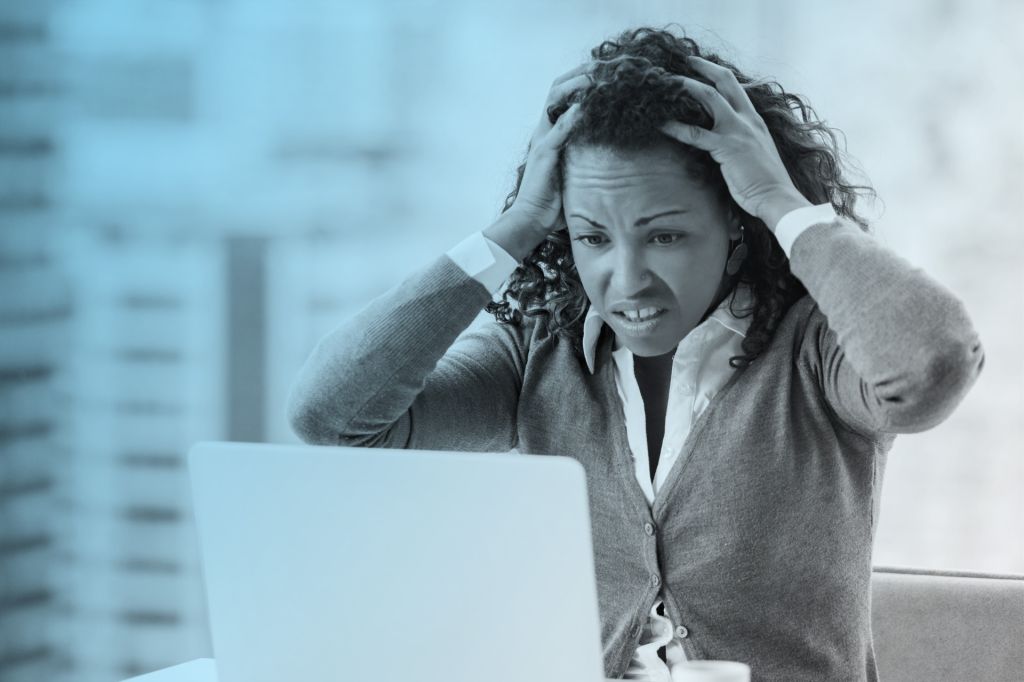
<point x="741" y="144"/>
<point x="539" y="200"/>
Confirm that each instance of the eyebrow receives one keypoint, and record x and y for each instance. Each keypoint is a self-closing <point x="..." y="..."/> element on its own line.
<point x="639" y="223"/>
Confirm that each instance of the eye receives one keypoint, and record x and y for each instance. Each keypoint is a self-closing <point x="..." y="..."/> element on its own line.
<point x="666" y="238"/>
<point x="591" y="239"/>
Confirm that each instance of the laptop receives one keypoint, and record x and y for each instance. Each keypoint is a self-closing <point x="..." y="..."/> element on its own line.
<point x="358" y="564"/>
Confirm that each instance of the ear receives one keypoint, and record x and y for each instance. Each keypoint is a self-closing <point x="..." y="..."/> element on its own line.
<point x="733" y="218"/>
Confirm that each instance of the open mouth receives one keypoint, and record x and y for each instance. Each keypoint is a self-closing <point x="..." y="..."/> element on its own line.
<point x="641" y="315"/>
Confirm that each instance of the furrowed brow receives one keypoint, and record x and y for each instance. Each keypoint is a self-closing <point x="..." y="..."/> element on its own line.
<point x="639" y="223"/>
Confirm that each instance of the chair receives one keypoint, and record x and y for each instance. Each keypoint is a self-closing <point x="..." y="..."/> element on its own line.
<point x="939" y="625"/>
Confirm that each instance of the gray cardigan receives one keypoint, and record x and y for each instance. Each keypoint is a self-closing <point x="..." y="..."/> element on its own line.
<point x="764" y="527"/>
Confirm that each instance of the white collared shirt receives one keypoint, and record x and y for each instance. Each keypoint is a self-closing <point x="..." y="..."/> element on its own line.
<point x="700" y="367"/>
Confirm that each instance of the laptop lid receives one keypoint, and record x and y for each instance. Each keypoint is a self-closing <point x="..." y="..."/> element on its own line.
<point x="331" y="563"/>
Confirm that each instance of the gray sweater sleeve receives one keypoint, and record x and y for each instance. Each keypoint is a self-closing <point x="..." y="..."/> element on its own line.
<point x="402" y="373"/>
<point x="894" y="350"/>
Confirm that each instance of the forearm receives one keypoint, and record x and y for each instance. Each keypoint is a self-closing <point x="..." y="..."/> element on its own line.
<point x="906" y="336"/>
<point x="515" y="235"/>
<point x="363" y="376"/>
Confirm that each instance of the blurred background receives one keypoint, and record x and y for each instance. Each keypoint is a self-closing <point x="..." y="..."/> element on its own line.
<point x="194" y="191"/>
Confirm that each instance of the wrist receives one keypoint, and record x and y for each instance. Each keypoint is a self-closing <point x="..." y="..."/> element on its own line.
<point x="516" y="234"/>
<point x="779" y="206"/>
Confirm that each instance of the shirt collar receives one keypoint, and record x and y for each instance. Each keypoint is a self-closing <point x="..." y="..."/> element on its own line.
<point x="721" y="317"/>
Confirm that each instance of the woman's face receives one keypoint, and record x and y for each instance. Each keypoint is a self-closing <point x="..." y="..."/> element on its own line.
<point x="650" y="243"/>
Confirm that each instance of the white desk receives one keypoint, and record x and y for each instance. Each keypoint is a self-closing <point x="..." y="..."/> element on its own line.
<point x="199" y="670"/>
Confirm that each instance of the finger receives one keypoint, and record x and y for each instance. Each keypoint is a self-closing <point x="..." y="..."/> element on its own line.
<point x="560" y="92"/>
<point x="579" y="70"/>
<point x="695" y="136"/>
<point x="542" y="136"/>
<point x="725" y="82"/>
<point x="717" y="106"/>
<point x="555" y="137"/>
<point x="557" y="95"/>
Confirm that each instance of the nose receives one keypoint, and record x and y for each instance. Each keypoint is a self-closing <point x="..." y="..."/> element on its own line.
<point x="630" y="273"/>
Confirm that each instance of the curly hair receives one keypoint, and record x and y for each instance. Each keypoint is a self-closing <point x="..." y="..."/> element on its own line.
<point x="632" y="94"/>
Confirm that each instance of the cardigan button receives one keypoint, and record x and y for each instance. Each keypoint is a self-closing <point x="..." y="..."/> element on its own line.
<point x="637" y="629"/>
<point x="649" y="528"/>
<point x="655" y="579"/>
<point x="682" y="632"/>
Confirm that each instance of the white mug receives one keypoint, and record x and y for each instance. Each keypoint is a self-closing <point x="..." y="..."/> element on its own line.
<point x="711" y="671"/>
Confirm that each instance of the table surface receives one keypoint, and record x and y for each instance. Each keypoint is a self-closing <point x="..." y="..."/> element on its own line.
<point x="199" y="670"/>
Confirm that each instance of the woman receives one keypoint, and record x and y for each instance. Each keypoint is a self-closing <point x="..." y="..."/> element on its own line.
<point x="696" y="313"/>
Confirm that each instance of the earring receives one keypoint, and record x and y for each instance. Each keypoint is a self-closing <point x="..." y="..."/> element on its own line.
<point x="732" y="266"/>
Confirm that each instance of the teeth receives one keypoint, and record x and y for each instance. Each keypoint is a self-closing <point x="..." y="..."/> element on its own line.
<point x="642" y="314"/>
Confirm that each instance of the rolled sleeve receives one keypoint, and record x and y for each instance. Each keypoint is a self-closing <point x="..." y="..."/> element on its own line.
<point x="796" y="222"/>
<point x="483" y="260"/>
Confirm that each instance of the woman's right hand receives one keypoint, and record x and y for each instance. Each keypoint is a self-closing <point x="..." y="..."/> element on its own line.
<point x="538" y="203"/>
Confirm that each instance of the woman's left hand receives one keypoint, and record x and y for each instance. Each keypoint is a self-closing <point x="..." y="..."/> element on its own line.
<point x="741" y="144"/>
